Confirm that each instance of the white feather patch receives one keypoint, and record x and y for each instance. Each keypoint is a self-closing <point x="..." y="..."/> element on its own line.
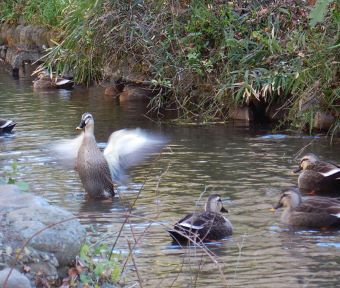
<point x="8" y="122"/>
<point x="336" y="215"/>
<point x="190" y="226"/>
<point x="331" y="172"/>
<point x="63" y="81"/>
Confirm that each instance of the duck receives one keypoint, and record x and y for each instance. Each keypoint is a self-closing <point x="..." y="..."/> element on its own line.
<point x="318" y="177"/>
<point x="98" y="171"/>
<point x="46" y="80"/>
<point x="311" y="212"/>
<point x="6" y="126"/>
<point x="208" y="225"/>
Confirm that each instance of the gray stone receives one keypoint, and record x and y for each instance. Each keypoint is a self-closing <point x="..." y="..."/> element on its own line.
<point x="54" y="245"/>
<point x="16" y="279"/>
<point x="24" y="44"/>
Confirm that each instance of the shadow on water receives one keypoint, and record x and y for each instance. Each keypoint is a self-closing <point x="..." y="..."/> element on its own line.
<point x="246" y="165"/>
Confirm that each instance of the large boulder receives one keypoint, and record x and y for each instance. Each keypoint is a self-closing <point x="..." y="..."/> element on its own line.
<point x="15" y="279"/>
<point x="56" y="235"/>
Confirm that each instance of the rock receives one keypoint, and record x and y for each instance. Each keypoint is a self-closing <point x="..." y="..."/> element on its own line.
<point x="16" y="279"/>
<point x="241" y="113"/>
<point x="3" y="50"/>
<point x="112" y="91"/>
<point x="134" y="93"/>
<point x="323" y="120"/>
<point x="24" y="44"/>
<point x="22" y="215"/>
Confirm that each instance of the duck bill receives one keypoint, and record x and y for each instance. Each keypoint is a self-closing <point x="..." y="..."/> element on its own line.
<point x="277" y="206"/>
<point x="81" y="125"/>
<point x="224" y="210"/>
<point x="297" y="169"/>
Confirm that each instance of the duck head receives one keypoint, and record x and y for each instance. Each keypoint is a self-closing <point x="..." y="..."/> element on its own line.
<point x="214" y="204"/>
<point x="290" y="198"/>
<point x="86" y="122"/>
<point x="306" y="161"/>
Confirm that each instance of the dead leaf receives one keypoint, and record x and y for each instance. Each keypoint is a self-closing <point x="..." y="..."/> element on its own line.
<point x="73" y="272"/>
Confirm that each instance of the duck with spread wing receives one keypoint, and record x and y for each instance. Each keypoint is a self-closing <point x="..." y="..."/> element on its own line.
<point x="99" y="170"/>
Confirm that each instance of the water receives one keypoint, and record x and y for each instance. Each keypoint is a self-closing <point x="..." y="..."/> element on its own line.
<point x="247" y="167"/>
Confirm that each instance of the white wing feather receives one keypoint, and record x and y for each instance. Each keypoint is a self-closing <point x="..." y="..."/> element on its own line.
<point x="190" y="226"/>
<point x="127" y="148"/>
<point x="65" y="151"/>
<point x="331" y="172"/>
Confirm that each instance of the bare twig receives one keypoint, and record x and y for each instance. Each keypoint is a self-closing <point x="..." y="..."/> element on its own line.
<point x="134" y="263"/>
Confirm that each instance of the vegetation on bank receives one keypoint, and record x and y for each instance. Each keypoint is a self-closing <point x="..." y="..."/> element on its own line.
<point x="208" y="56"/>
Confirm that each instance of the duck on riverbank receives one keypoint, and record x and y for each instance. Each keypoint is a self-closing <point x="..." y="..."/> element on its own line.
<point x="46" y="80"/>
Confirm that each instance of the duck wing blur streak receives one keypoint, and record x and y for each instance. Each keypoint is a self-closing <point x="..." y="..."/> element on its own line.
<point x="66" y="151"/>
<point x="127" y="148"/>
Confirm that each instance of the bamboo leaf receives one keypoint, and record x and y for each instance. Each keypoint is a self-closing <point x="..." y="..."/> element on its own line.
<point x="319" y="11"/>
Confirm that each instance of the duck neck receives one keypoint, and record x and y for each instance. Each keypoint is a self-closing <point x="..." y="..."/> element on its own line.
<point x="211" y="207"/>
<point x="285" y="214"/>
<point x="89" y="130"/>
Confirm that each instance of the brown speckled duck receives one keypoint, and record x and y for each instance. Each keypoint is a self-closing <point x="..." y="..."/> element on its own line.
<point x="6" y="126"/>
<point x="208" y="225"/>
<point x="312" y="212"/>
<point x="318" y="177"/>
<point x="50" y="81"/>
<point x="98" y="170"/>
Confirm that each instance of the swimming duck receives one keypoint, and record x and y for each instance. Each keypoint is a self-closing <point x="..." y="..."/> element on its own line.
<point x="6" y="126"/>
<point x="208" y="225"/>
<point x="313" y="212"/>
<point x="50" y="81"/>
<point x="99" y="170"/>
<point x="318" y="177"/>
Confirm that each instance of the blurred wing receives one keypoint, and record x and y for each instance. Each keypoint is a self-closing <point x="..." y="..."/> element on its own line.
<point x="127" y="148"/>
<point x="65" y="151"/>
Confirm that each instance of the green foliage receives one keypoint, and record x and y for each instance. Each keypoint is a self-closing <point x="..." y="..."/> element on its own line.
<point x="319" y="11"/>
<point x="77" y="51"/>
<point x="98" y="269"/>
<point x="10" y="177"/>
<point x="40" y="12"/>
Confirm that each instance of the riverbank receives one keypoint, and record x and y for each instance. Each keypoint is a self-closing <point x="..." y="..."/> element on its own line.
<point x="207" y="62"/>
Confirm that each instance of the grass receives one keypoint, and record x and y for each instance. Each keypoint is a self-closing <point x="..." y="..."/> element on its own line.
<point x="210" y="57"/>
<point x="40" y="12"/>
